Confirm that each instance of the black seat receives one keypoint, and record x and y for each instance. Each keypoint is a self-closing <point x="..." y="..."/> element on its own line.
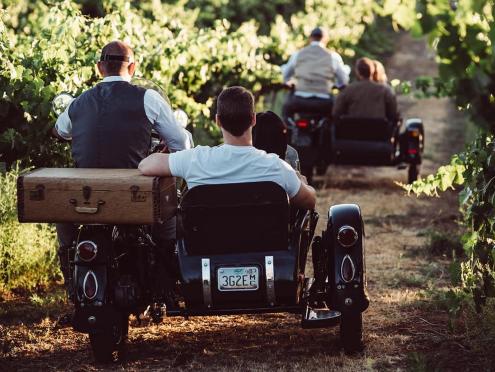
<point x="235" y="218"/>
<point x="364" y="129"/>
<point x="364" y="141"/>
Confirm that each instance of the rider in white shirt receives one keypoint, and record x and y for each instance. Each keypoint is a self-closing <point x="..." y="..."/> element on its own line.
<point x="313" y="71"/>
<point x="236" y="161"/>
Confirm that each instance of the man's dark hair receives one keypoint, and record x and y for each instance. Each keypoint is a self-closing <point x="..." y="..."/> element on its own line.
<point x="365" y="67"/>
<point x="317" y="34"/>
<point x="115" y="57"/>
<point x="235" y="110"/>
<point x="270" y="134"/>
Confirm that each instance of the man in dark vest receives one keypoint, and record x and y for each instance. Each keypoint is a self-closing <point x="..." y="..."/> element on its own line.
<point x="110" y="127"/>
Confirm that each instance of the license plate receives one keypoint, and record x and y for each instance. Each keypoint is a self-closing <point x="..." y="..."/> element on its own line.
<point x="238" y="278"/>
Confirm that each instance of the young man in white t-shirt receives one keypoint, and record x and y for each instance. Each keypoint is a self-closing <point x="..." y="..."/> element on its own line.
<point x="236" y="161"/>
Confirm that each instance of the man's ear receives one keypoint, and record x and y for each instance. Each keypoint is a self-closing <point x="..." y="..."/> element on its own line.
<point x="100" y="68"/>
<point x="131" y="68"/>
<point x="217" y="120"/>
<point x="253" y="120"/>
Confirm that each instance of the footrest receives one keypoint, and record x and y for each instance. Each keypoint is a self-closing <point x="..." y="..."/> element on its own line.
<point x="319" y="318"/>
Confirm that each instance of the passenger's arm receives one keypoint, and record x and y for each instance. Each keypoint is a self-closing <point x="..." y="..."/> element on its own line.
<point x="339" y="107"/>
<point x="305" y="197"/>
<point x="155" y="165"/>
<point x="391" y="109"/>
<point x="162" y="117"/>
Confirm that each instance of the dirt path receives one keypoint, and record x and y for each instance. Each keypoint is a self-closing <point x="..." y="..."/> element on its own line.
<point x="400" y="326"/>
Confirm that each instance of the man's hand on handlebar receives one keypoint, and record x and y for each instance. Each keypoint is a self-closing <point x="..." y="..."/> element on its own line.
<point x="55" y="134"/>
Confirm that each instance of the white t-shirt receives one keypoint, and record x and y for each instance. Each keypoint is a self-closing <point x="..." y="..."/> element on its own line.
<point x="223" y="164"/>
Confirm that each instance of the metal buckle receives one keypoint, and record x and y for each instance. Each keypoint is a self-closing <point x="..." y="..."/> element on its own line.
<point x="270" y="280"/>
<point x="206" y="281"/>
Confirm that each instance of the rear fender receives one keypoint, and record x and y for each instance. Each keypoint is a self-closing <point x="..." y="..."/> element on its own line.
<point x="414" y="139"/>
<point x="346" y="293"/>
<point x="87" y="308"/>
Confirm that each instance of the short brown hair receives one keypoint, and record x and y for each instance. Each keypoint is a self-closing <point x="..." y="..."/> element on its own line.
<point x="235" y="110"/>
<point x="114" y="50"/>
<point x="365" y="67"/>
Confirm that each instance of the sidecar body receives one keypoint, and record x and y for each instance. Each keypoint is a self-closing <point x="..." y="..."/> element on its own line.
<point x="241" y="249"/>
<point x="378" y="142"/>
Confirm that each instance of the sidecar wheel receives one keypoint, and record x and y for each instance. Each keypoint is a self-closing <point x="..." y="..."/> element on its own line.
<point x="321" y="169"/>
<point x="351" y="332"/>
<point x="412" y="173"/>
<point x="105" y="343"/>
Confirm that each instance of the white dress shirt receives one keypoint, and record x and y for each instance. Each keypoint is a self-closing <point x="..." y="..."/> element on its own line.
<point x="158" y="112"/>
<point x="340" y="69"/>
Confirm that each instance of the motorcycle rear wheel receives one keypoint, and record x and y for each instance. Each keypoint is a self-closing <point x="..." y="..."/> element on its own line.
<point x="105" y="343"/>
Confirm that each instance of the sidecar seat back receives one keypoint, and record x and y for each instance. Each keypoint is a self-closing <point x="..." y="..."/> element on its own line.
<point x="364" y="141"/>
<point x="235" y="218"/>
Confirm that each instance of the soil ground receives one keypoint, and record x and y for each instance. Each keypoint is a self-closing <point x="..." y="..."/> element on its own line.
<point x="403" y="328"/>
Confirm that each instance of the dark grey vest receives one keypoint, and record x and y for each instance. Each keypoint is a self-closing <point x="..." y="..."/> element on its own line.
<point x="110" y="128"/>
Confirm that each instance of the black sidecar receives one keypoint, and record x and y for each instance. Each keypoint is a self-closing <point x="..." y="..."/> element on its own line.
<point x="378" y="142"/>
<point x="242" y="250"/>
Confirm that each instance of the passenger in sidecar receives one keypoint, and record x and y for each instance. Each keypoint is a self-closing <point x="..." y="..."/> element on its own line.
<point x="368" y="128"/>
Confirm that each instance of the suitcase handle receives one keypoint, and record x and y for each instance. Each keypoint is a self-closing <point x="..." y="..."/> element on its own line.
<point x="87" y="210"/>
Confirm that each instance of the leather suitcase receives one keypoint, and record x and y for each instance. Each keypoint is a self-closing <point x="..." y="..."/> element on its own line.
<point x="95" y="196"/>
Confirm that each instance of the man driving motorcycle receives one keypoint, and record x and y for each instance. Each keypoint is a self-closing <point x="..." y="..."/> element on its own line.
<point x="315" y="70"/>
<point x="110" y="126"/>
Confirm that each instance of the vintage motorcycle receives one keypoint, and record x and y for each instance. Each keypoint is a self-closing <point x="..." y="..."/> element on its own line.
<point x="240" y="249"/>
<point x="309" y="134"/>
<point x="134" y="256"/>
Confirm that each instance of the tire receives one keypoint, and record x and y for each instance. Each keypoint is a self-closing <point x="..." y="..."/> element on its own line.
<point x="106" y="342"/>
<point x="321" y="169"/>
<point x="307" y="171"/>
<point x="351" y="332"/>
<point x="412" y="173"/>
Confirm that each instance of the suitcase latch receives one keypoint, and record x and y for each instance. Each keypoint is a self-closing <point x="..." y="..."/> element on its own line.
<point x="86" y="191"/>
<point x="38" y="193"/>
<point x="137" y="196"/>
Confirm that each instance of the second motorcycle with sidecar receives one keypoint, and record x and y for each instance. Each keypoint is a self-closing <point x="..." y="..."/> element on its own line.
<point x="322" y="141"/>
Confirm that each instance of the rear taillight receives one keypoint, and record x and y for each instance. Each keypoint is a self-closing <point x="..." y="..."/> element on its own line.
<point x="90" y="285"/>
<point x="412" y="151"/>
<point x="347" y="269"/>
<point x="302" y="123"/>
<point x="87" y="250"/>
<point x="347" y="236"/>
<point x="414" y="133"/>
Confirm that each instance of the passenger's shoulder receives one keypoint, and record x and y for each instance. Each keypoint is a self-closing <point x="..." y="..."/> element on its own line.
<point x="201" y="149"/>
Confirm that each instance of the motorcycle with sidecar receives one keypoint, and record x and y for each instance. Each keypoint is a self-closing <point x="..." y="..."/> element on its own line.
<point x="241" y="249"/>
<point x="322" y="140"/>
